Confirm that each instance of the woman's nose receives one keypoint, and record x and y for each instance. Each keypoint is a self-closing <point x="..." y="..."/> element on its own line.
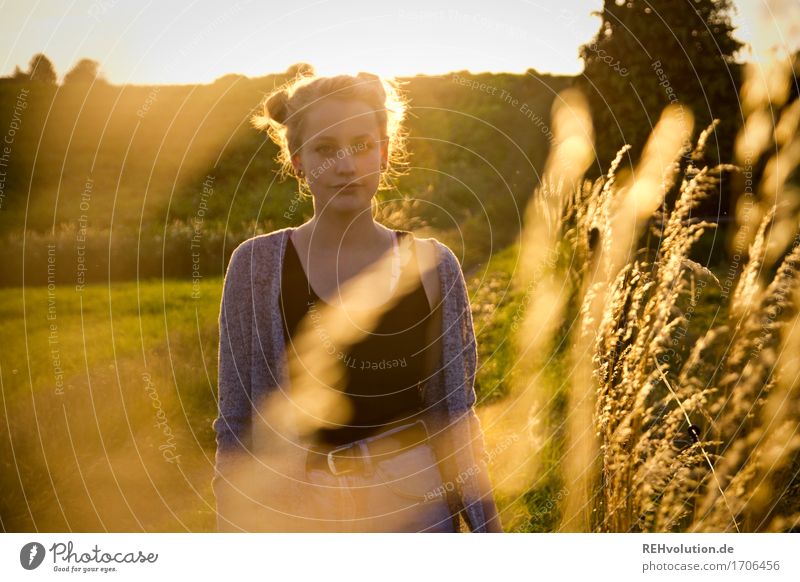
<point x="345" y="163"/>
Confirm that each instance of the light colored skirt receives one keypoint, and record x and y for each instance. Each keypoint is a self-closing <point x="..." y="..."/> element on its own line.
<point x="401" y="493"/>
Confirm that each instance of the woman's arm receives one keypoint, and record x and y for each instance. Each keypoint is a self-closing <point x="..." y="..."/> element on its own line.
<point x="232" y="425"/>
<point x="492" y="519"/>
<point x="464" y="326"/>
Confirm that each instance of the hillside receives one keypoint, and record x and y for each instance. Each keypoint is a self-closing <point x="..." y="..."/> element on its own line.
<point x="129" y="162"/>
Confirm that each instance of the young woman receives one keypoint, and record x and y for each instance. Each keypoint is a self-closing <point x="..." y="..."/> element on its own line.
<point x="347" y="352"/>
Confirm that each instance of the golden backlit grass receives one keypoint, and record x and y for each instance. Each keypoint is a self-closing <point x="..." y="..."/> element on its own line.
<point x="664" y="433"/>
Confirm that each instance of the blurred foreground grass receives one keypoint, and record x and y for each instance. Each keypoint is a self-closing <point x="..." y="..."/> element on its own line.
<point x="122" y="440"/>
<point x="108" y="399"/>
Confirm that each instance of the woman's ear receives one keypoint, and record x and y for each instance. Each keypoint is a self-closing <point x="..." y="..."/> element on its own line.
<point x="384" y="154"/>
<point x="298" y="168"/>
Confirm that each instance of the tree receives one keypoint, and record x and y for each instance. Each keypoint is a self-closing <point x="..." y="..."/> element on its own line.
<point x="19" y="74"/>
<point x="650" y="53"/>
<point x="230" y="79"/>
<point x="85" y="71"/>
<point x="41" y="69"/>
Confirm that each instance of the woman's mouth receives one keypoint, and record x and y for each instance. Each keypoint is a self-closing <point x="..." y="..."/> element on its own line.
<point x="347" y="187"/>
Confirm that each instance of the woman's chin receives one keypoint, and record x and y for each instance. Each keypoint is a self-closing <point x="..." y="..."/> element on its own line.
<point x="347" y="201"/>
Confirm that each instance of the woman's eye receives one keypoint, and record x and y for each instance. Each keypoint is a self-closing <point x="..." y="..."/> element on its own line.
<point x="324" y="150"/>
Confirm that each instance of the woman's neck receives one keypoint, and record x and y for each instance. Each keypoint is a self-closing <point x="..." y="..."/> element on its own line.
<point x="344" y="233"/>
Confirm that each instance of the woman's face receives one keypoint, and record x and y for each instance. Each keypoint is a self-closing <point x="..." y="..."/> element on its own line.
<point x="341" y="154"/>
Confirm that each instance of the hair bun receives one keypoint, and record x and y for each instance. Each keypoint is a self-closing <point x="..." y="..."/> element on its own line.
<point x="278" y="106"/>
<point x="301" y="69"/>
<point x="372" y="78"/>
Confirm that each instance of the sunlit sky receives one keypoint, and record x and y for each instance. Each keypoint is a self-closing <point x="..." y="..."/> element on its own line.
<point x="153" y="42"/>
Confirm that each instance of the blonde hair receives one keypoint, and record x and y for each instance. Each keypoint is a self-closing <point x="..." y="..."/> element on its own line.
<point x="282" y="113"/>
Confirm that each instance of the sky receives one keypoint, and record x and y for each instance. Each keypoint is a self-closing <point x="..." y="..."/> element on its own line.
<point x="197" y="41"/>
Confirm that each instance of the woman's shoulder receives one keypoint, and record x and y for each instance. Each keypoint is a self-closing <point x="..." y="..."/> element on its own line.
<point x="262" y="243"/>
<point x="262" y="250"/>
<point x="437" y="266"/>
<point x="263" y="240"/>
<point x="435" y="252"/>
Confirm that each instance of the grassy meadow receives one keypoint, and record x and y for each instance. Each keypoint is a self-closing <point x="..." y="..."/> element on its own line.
<point x="108" y="407"/>
<point x="119" y="438"/>
<point x="624" y="384"/>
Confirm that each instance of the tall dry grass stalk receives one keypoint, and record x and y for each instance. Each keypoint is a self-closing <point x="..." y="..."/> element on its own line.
<point x="517" y="422"/>
<point x="681" y="436"/>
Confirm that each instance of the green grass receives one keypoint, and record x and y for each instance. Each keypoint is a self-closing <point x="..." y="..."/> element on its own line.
<point x="498" y="303"/>
<point x="86" y="456"/>
<point x="499" y="307"/>
<point x="88" y="459"/>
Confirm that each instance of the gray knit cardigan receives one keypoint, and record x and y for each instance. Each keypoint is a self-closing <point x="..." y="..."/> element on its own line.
<point x="252" y="365"/>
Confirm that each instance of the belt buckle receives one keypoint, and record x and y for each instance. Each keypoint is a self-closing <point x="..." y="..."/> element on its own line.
<point x="424" y="428"/>
<point x="402" y="428"/>
<point x="364" y="444"/>
<point x="332" y="463"/>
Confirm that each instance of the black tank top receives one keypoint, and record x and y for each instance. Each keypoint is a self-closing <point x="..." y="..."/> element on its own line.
<point x="385" y="370"/>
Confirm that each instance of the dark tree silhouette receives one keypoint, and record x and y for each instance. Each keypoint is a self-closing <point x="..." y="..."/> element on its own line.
<point x="85" y="71"/>
<point x="41" y="69"/>
<point x="230" y="79"/>
<point x="650" y="53"/>
<point x="19" y="74"/>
